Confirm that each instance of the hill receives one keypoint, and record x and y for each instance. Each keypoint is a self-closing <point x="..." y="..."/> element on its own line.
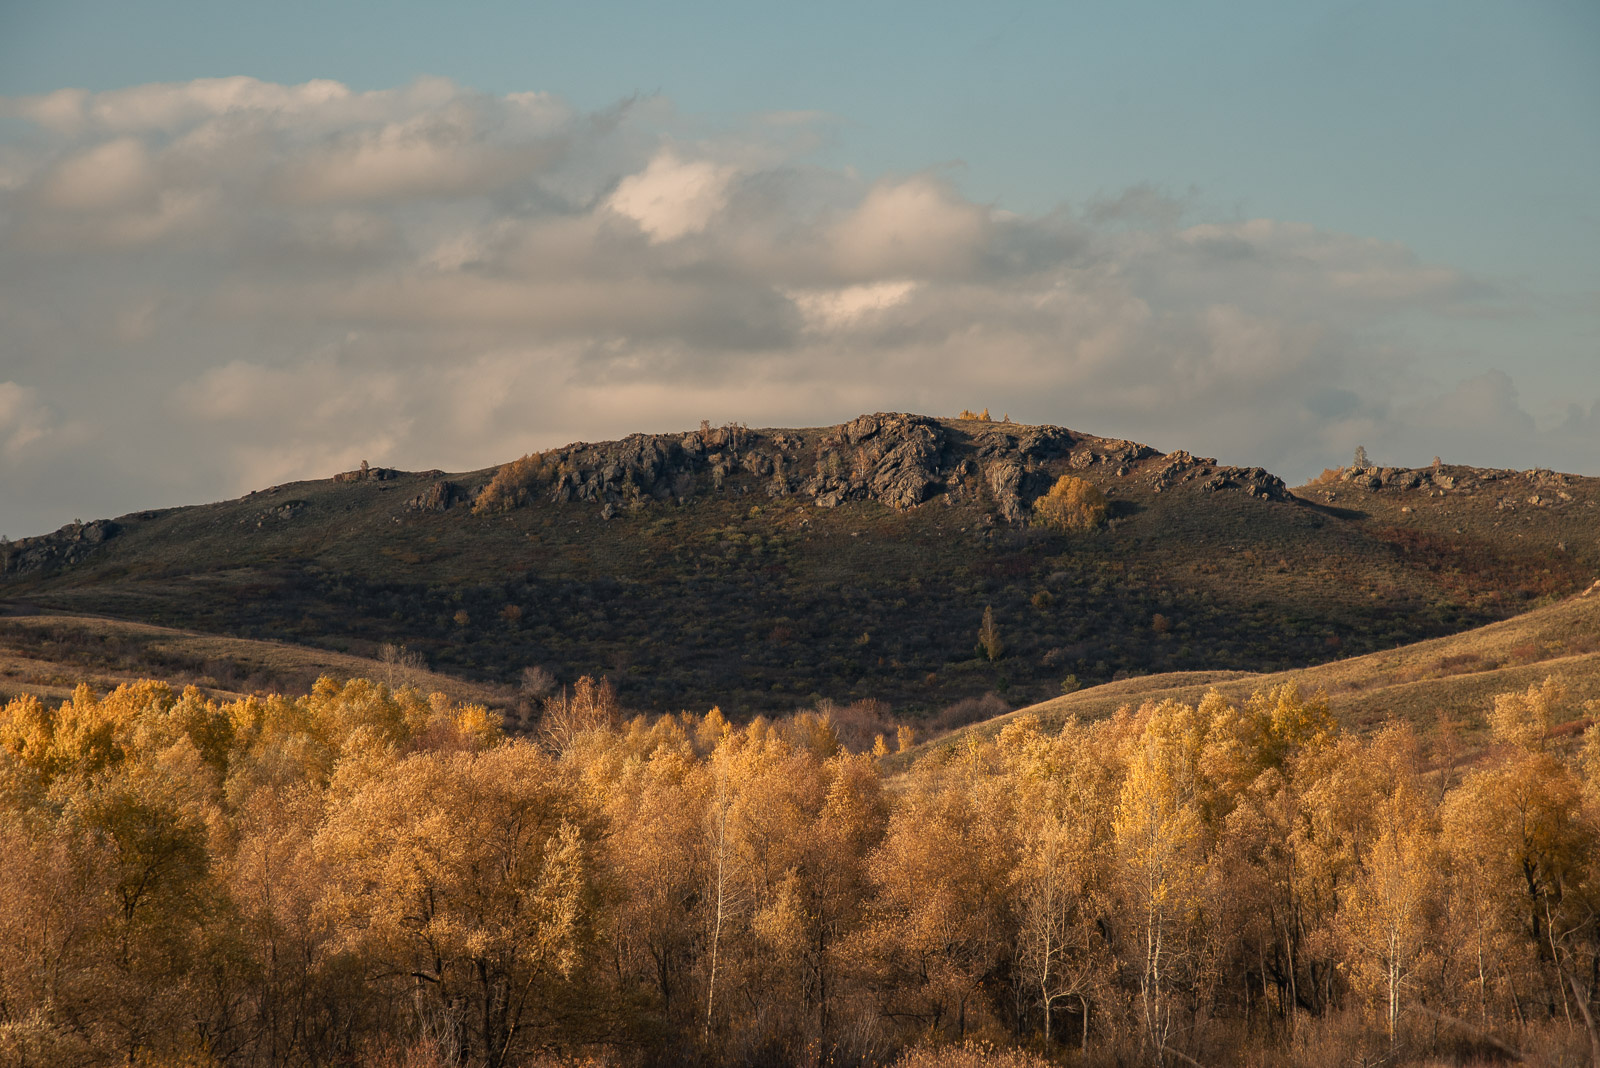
<point x="1452" y="680"/>
<point x="761" y="569"/>
<point x="48" y="655"/>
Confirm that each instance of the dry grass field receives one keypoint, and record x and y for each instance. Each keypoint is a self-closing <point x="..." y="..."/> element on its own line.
<point x="48" y="655"/>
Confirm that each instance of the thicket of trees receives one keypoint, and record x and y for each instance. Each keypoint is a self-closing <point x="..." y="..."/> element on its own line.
<point x="363" y="876"/>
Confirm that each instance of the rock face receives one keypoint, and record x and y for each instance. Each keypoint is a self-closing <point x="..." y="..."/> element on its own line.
<point x="641" y="466"/>
<point x="1254" y="481"/>
<point x="895" y="459"/>
<point x="66" y="546"/>
<point x="441" y="496"/>
<point x="1176" y="468"/>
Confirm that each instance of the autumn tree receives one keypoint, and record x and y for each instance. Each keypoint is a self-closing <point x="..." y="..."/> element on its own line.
<point x="401" y="666"/>
<point x="1391" y="910"/>
<point x="654" y="791"/>
<point x="591" y="706"/>
<point x="1072" y="504"/>
<point x="467" y="879"/>
<point x="990" y="643"/>
<point x="514" y="484"/>
<point x="942" y="919"/>
<point x="1161" y="850"/>
<point x="364" y="875"/>
<point x="1523" y="844"/>
<point x="1064" y="808"/>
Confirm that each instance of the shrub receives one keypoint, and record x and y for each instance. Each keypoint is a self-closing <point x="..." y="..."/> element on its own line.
<point x="859" y="724"/>
<point x="1072" y="504"/>
<point x="513" y="484"/>
<point x="970" y="1055"/>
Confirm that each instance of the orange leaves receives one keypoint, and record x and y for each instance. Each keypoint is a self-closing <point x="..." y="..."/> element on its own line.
<point x="359" y="867"/>
<point x="1073" y="504"/>
<point x="513" y="484"/>
<point x="1524" y="719"/>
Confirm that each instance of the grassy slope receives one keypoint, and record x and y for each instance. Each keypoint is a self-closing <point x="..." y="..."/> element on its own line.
<point x="49" y="655"/>
<point x="761" y="605"/>
<point x="1454" y="677"/>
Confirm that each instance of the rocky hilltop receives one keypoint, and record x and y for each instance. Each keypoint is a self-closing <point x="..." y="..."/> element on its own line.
<point x="1510" y="490"/>
<point x="895" y="459"/>
<point x="759" y="569"/>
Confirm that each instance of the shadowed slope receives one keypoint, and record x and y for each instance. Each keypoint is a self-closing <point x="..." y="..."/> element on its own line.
<point x="760" y="569"/>
<point x="1455" y="677"/>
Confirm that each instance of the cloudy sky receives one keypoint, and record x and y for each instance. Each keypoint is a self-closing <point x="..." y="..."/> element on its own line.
<point x="241" y="245"/>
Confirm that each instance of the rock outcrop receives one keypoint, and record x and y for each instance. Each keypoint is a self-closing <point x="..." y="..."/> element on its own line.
<point x="69" y="545"/>
<point x="1535" y="488"/>
<point x="367" y="474"/>
<point x="1176" y="468"/>
<point x="1254" y="481"/>
<point x="895" y="459"/>
<point x="640" y="466"/>
<point x="441" y="496"/>
<point x="890" y="458"/>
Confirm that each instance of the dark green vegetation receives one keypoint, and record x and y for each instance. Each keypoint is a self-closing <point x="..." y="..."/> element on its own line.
<point x="761" y="569"/>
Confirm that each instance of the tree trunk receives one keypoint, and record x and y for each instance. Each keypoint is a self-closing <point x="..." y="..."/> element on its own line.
<point x="1582" y="998"/>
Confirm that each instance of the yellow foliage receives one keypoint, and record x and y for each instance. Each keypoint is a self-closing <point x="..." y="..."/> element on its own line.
<point x="1524" y="719"/>
<point x="394" y="862"/>
<point x="514" y="484"/>
<point x="1072" y="504"/>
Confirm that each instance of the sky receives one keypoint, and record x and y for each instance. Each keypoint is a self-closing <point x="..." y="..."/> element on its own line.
<point x="246" y="244"/>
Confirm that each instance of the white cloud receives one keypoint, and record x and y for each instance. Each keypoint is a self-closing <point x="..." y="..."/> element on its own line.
<point x="837" y="308"/>
<point x="918" y="227"/>
<point x="673" y="197"/>
<point x="436" y="154"/>
<point x="230" y="283"/>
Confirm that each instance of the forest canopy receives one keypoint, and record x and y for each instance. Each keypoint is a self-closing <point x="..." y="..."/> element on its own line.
<point x="363" y="875"/>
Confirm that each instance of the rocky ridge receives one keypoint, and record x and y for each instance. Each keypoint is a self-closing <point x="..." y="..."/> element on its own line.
<point x="896" y="459"/>
<point x="1535" y="488"/>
